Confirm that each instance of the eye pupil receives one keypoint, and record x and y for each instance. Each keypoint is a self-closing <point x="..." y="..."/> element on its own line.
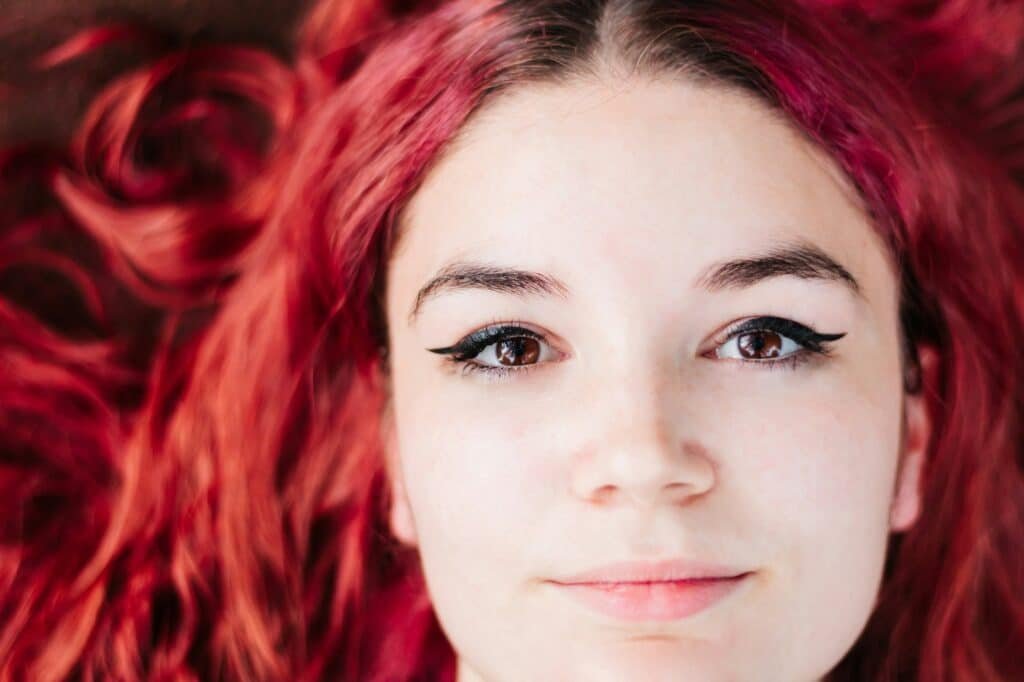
<point x="520" y="350"/>
<point x="751" y="344"/>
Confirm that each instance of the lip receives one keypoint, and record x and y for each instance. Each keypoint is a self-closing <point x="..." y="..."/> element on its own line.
<point x="653" y="571"/>
<point x="659" y="591"/>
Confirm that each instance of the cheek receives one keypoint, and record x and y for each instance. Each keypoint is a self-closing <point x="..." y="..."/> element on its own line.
<point x="476" y="480"/>
<point x="818" y="487"/>
<point x="831" y="468"/>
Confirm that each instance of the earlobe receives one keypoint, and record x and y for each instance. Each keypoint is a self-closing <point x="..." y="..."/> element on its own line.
<point x="906" y="504"/>
<point x="400" y="520"/>
<point x="917" y="431"/>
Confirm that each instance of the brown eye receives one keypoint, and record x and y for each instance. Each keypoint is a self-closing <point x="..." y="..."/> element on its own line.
<point x="770" y="342"/>
<point x="759" y="345"/>
<point x="756" y="346"/>
<point x="517" y="350"/>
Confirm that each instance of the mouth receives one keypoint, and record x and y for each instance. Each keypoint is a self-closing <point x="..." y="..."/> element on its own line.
<point x="656" y="600"/>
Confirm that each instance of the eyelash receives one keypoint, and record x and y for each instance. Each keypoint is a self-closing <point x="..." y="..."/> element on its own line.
<point x="811" y="344"/>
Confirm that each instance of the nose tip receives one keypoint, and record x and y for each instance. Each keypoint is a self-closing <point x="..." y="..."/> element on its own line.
<point x="643" y="466"/>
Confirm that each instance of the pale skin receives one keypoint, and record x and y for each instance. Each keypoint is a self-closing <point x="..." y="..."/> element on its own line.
<point x="634" y="435"/>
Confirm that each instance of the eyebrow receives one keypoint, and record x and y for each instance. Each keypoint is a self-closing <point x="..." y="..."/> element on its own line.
<point x="801" y="259"/>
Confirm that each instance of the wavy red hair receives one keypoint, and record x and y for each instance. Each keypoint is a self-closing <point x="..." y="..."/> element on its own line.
<point x="191" y="476"/>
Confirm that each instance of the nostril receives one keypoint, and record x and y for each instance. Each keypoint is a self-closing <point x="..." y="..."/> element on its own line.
<point x="604" y="494"/>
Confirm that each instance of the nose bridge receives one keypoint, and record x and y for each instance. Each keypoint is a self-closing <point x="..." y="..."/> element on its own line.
<point x="638" y="444"/>
<point x="639" y="406"/>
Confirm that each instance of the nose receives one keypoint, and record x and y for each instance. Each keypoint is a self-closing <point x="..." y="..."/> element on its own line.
<point x="639" y="448"/>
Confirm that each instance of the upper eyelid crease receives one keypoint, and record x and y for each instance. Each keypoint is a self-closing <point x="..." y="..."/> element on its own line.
<point x="800" y="333"/>
<point x="488" y="335"/>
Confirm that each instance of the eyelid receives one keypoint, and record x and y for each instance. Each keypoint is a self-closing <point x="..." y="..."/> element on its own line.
<point x="808" y="342"/>
<point x="489" y="333"/>
<point x="463" y="353"/>
<point x="801" y="334"/>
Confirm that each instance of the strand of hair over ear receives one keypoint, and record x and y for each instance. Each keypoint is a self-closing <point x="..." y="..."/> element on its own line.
<point x="966" y="57"/>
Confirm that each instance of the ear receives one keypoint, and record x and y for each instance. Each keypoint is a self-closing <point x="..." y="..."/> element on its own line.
<point x="917" y="432"/>
<point x="400" y="519"/>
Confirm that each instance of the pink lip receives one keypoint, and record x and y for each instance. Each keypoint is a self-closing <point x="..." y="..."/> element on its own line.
<point x="667" y="590"/>
<point x="653" y="571"/>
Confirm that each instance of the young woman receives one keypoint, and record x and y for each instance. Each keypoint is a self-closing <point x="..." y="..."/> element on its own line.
<point x="536" y="340"/>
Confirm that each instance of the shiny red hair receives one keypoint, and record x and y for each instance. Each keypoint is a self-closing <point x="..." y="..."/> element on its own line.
<point x="191" y="476"/>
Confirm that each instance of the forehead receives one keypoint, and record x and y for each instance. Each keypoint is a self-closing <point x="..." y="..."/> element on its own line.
<point x="641" y="173"/>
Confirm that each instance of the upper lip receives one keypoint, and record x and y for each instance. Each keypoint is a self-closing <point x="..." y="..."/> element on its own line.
<point x="652" y="571"/>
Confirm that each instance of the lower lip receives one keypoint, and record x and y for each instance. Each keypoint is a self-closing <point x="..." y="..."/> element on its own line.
<point x="652" y="601"/>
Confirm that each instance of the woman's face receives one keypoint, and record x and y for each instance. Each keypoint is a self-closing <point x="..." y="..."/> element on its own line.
<point x="616" y="422"/>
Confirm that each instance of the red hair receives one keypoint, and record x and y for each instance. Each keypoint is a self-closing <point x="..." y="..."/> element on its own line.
<point x="192" y="480"/>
